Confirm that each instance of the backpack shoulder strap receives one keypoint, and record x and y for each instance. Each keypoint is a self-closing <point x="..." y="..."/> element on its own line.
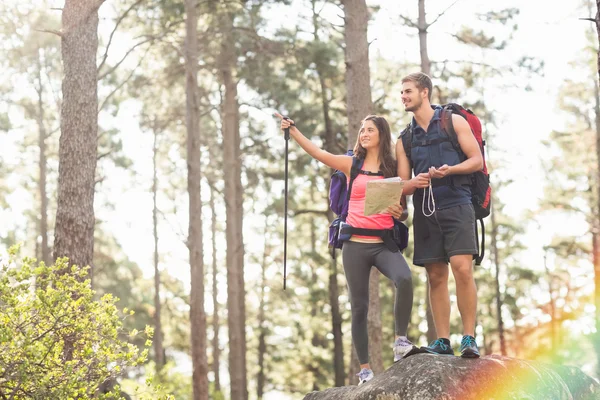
<point x="406" y="136"/>
<point x="354" y="171"/>
<point x="356" y="166"/>
<point x="448" y="127"/>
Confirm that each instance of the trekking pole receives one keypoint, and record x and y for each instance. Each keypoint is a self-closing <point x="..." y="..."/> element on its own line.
<point x="285" y="207"/>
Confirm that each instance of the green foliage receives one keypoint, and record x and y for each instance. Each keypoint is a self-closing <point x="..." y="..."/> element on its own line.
<point x="169" y="383"/>
<point x="5" y="124"/>
<point x="56" y="342"/>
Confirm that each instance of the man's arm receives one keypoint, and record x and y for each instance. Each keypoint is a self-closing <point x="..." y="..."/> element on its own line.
<point x="403" y="163"/>
<point x="468" y="145"/>
<point x="404" y="172"/>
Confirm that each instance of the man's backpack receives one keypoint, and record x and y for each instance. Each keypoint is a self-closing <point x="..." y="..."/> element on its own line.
<point x="339" y="198"/>
<point x="481" y="191"/>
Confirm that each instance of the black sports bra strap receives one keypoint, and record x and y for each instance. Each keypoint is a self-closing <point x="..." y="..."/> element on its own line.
<point x="369" y="173"/>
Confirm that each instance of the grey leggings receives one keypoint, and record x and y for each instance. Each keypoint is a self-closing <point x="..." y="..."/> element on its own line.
<point x="358" y="259"/>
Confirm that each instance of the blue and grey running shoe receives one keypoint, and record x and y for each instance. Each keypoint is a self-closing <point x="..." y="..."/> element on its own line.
<point x="439" y="347"/>
<point x="468" y="347"/>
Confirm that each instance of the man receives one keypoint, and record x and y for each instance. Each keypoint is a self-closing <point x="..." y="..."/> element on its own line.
<point x="444" y="218"/>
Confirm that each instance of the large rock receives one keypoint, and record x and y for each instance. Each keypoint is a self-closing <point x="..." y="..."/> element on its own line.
<point x="431" y="377"/>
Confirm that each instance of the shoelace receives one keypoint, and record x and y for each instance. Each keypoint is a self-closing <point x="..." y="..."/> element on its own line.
<point x="440" y="343"/>
<point x="468" y="341"/>
<point x="429" y="199"/>
<point x="363" y="374"/>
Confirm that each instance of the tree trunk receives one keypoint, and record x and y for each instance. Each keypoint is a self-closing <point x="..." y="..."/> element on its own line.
<point x="316" y="339"/>
<point x="431" y="332"/>
<point x="197" y="315"/>
<point x="426" y="69"/>
<point x="157" y="340"/>
<point x="46" y="258"/>
<point x="596" y="261"/>
<point x="374" y="321"/>
<point x="330" y="146"/>
<point x="496" y="258"/>
<point x="598" y="33"/>
<point x="359" y="105"/>
<point x="596" y="217"/>
<point x="216" y="350"/>
<point x="336" y="325"/>
<point x="353" y="368"/>
<point x="262" y="342"/>
<point x="78" y="145"/>
<point x="234" y="211"/>
<point x="422" y="26"/>
<point x="359" y="102"/>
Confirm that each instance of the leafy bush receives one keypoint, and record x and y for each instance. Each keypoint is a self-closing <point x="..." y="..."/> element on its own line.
<point x="56" y="342"/>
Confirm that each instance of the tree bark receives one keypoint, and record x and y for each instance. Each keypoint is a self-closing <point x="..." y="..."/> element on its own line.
<point x="353" y="368"/>
<point x="43" y="164"/>
<point x="316" y="339"/>
<point x="262" y="335"/>
<point x="374" y="321"/>
<point x="359" y="104"/>
<point x="330" y="146"/>
<point x="234" y="211"/>
<point x="426" y="69"/>
<point x="496" y="257"/>
<point x="422" y="26"/>
<point x="431" y="332"/>
<point x="597" y="18"/>
<point x="336" y="325"/>
<point x="197" y="314"/>
<point x="596" y="217"/>
<point x="157" y="340"/>
<point x="78" y="144"/>
<point x="216" y="350"/>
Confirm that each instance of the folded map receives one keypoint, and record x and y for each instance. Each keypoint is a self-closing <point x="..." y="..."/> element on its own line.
<point x="381" y="194"/>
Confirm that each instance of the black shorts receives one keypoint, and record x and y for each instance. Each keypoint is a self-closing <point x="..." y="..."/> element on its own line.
<point x="448" y="232"/>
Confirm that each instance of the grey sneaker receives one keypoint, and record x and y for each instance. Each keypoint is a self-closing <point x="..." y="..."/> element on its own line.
<point x="468" y="347"/>
<point x="365" y="375"/>
<point x="401" y="347"/>
<point x="439" y="347"/>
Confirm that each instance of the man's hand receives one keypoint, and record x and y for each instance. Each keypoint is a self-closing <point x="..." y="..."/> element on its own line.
<point x="440" y="172"/>
<point x="395" y="210"/>
<point x="421" y="181"/>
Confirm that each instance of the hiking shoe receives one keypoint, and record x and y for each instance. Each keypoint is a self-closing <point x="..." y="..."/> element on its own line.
<point x="365" y="375"/>
<point x="439" y="347"/>
<point x="468" y="347"/>
<point x="401" y="347"/>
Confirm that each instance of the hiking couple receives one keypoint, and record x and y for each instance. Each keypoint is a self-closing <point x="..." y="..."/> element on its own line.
<point x="444" y="219"/>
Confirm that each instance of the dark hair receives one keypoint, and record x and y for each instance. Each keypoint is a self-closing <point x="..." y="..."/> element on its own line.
<point x="421" y="81"/>
<point x="386" y="156"/>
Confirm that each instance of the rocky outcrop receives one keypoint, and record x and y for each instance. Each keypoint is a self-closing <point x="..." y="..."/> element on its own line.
<point x="431" y="377"/>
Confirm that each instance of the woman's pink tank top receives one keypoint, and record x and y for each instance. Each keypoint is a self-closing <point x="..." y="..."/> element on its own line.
<point x="356" y="208"/>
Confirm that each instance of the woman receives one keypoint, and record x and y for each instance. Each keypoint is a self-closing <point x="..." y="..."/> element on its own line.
<point x="374" y="148"/>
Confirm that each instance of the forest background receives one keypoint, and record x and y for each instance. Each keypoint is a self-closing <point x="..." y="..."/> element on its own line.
<point x="184" y="103"/>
